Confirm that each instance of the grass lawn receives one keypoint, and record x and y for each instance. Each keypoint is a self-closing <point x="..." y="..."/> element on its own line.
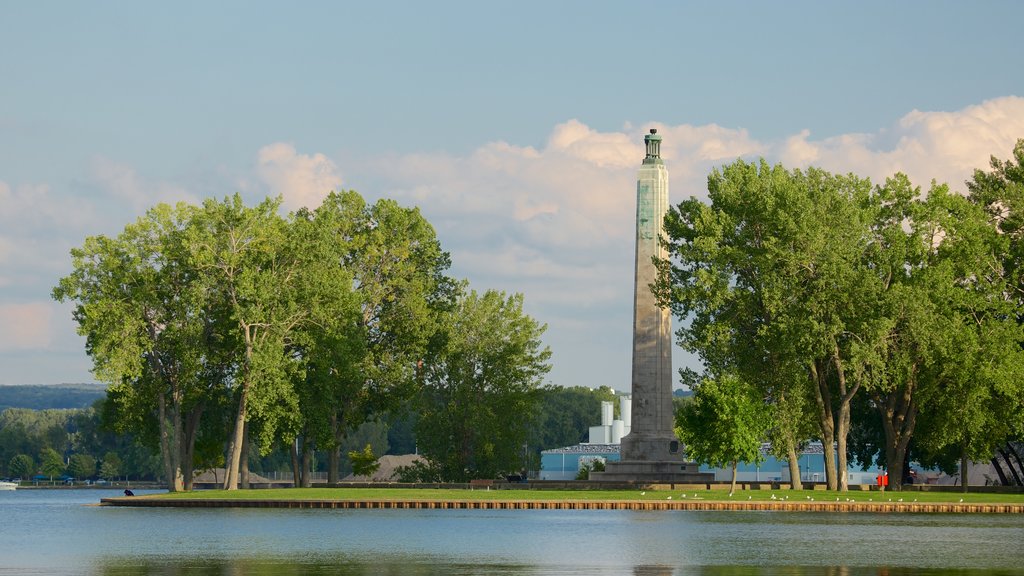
<point x="526" y="494"/>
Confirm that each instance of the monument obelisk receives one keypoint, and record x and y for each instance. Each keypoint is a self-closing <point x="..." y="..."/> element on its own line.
<point x="651" y="452"/>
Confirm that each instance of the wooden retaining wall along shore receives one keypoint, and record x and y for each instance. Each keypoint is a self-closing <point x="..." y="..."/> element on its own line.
<point x="144" y="502"/>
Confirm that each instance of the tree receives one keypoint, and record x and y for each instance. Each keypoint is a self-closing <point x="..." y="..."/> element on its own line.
<point x="51" y="463"/>
<point x="152" y="330"/>
<point x="770" y="279"/>
<point x="725" y="424"/>
<point x="21" y="466"/>
<point x="82" y="466"/>
<point x="362" y="365"/>
<point x="110" y="467"/>
<point x="364" y="462"/>
<point x="246" y="257"/>
<point x="480" y="388"/>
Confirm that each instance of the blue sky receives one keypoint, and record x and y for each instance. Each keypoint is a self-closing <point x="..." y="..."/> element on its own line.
<point x="516" y="127"/>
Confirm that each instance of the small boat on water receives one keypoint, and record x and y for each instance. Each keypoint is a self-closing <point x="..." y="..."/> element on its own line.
<point x="8" y="485"/>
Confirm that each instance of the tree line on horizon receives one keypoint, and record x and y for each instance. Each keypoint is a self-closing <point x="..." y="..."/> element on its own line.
<point x="883" y="320"/>
<point x="81" y="443"/>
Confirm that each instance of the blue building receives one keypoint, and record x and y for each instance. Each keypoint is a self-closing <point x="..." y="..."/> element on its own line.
<point x="565" y="463"/>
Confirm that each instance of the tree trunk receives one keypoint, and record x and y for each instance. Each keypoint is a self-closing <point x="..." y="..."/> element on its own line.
<point x="237" y="437"/>
<point x="795" y="480"/>
<point x="1009" y="464"/>
<point x="823" y="400"/>
<point x="243" y="461"/>
<point x="235" y="445"/>
<point x="307" y="457"/>
<point x="846" y="394"/>
<point x="165" y="444"/>
<point x="1016" y="454"/>
<point x="1003" y="480"/>
<point x="964" y="481"/>
<point x="334" y="456"/>
<point x="296" y="474"/>
<point x="732" y="488"/>
<point x="178" y="479"/>
<point x="899" y="417"/>
<point x="189" y="445"/>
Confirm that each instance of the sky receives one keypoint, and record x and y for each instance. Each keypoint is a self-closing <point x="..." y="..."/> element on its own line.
<point x="516" y="128"/>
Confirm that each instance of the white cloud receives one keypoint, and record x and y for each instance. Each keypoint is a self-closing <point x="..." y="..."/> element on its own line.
<point x="944" y="146"/>
<point x="25" y="326"/>
<point x="557" y="223"/>
<point x="124" y="184"/>
<point x="302" y="180"/>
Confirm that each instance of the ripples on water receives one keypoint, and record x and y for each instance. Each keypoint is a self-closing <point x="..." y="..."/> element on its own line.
<point x="58" y="532"/>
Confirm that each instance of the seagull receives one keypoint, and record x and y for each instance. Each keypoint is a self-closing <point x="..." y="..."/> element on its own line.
<point x="961" y="499"/>
<point x="750" y="497"/>
<point x="643" y="493"/>
<point x="669" y="498"/>
<point x="682" y="495"/>
<point x="900" y="500"/>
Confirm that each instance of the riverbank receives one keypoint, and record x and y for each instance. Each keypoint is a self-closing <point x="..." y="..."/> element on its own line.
<point x="483" y="499"/>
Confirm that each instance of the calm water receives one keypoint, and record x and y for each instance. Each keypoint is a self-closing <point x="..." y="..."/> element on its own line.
<point x="59" y="532"/>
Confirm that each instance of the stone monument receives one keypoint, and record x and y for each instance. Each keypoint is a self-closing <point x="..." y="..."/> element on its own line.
<point x="651" y="453"/>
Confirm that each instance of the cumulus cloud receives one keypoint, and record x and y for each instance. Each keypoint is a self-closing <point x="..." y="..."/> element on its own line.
<point x="302" y="180"/>
<point x="124" y="184"/>
<point x="25" y="326"/>
<point x="941" y="145"/>
<point x="557" y="222"/>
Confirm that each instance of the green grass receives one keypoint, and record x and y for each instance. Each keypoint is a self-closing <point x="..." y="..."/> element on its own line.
<point x="484" y="494"/>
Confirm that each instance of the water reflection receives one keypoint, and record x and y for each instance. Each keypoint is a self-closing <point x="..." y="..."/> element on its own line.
<point x="414" y="567"/>
<point x="60" y="532"/>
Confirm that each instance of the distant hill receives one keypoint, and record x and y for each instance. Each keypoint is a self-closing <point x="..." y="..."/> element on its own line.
<point x="680" y="393"/>
<point x="43" y="397"/>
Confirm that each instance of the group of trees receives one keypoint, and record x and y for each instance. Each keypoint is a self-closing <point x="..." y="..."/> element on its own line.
<point x="224" y="329"/>
<point x="825" y="307"/>
<point x="67" y="443"/>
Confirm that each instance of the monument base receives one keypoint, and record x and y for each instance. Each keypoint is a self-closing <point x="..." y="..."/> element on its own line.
<point x="656" y="472"/>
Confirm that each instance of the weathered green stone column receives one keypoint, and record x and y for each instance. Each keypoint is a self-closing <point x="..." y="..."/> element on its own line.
<point x="651" y="453"/>
<point x="651" y="436"/>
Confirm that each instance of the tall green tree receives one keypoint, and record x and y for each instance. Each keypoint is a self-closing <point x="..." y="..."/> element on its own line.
<point x="247" y="258"/>
<point x="151" y="329"/>
<point x="111" y="465"/>
<point x="480" y="388"/>
<point x="51" y="463"/>
<point x="363" y="365"/>
<point x="725" y="424"/>
<point x="770" y="279"/>
<point x="21" y="466"/>
<point x="82" y="466"/>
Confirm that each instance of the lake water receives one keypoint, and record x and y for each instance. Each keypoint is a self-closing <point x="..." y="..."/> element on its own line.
<point x="60" y="532"/>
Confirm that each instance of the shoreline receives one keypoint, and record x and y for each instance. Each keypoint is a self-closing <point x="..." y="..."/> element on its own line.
<point x="636" y="505"/>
